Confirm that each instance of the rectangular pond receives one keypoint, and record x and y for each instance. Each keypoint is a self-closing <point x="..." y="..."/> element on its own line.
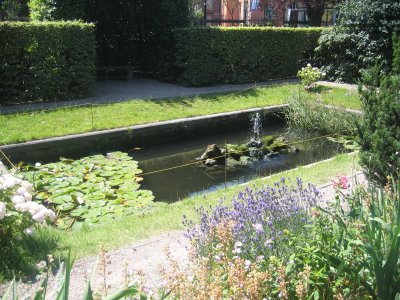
<point x="169" y="170"/>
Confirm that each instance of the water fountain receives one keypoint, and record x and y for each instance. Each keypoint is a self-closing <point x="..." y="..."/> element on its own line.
<point x="256" y="131"/>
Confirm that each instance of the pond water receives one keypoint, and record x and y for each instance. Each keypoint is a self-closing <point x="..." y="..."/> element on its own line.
<point x="174" y="184"/>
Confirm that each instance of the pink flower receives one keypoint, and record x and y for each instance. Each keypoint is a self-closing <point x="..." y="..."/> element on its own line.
<point x="341" y="183"/>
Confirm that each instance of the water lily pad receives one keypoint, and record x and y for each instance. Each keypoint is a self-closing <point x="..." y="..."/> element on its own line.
<point x="92" y="189"/>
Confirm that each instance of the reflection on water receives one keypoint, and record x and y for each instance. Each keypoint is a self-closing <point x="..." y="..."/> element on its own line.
<point x="175" y="184"/>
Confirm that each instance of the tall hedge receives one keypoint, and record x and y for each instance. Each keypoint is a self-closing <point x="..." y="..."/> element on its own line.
<point x="234" y="55"/>
<point x="46" y="61"/>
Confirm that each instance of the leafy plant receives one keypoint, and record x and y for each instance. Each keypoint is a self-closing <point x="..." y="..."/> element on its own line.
<point x="306" y="115"/>
<point x="20" y="218"/>
<point x="308" y="76"/>
<point x="92" y="189"/>
<point x="379" y="130"/>
<point x="363" y="35"/>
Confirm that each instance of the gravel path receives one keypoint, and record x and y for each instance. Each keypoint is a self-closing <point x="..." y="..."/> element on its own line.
<point x="139" y="88"/>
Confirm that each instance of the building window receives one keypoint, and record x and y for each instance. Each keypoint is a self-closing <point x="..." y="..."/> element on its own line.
<point x="269" y="13"/>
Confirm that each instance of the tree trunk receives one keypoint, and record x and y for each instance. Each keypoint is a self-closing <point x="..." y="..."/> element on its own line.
<point x="315" y="14"/>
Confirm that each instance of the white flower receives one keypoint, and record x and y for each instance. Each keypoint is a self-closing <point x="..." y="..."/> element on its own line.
<point x="80" y="200"/>
<point x="26" y="185"/>
<point x="22" y="207"/>
<point x="3" y="210"/>
<point x="259" y="228"/>
<point x="39" y="217"/>
<point x="17" y="199"/>
<point x="238" y="244"/>
<point x="34" y="208"/>
<point x="27" y="196"/>
<point x="38" y="164"/>
<point x="50" y="214"/>
<point x="8" y="181"/>
<point x="309" y="65"/>
<point x="29" y="231"/>
<point x="247" y="264"/>
<point x="21" y="191"/>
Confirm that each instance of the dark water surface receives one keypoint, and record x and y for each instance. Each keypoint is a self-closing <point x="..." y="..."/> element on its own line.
<point x="177" y="183"/>
<point x="172" y="185"/>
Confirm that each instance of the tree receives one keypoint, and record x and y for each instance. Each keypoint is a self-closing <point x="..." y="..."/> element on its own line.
<point x="379" y="131"/>
<point x="362" y="36"/>
<point x="10" y="10"/>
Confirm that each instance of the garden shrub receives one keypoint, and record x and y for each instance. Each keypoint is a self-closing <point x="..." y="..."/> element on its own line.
<point x="234" y="55"/>
<point x="343" y="249"/>
<point x="46" y="61"/>
<point x="20" y="218"/>
<point x="362" y="36"/>
<point x="379" y="130"/>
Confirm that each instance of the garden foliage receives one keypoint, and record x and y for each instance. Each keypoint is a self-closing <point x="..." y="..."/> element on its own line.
<point x="20" y="217"/>
<point x="379" y="131"/>
<point x="128" y="33"/>
<point x="343" y="249"/>
<point x="92" y="189"/>
<point x="232" y="55"/>
<point x="306" y="115"/>
<point x="46" y="61"/>
<point x="363" y="35"/>
<point x="308" y="76"/>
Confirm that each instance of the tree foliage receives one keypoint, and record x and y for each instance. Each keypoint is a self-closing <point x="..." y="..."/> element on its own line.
<point x="134" y="33"/>
<point x="363" y="35"/>
<point x="380" y="129"/>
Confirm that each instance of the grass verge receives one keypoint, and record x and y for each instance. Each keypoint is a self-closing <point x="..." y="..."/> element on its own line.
<point x="38" y="125"/>
<point x="168" y="217"/>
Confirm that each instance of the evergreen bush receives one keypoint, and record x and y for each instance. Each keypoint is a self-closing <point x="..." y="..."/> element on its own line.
<point x="235" y="55"/>
<point x="46" y="61"/>
<point x="379" y="131"/>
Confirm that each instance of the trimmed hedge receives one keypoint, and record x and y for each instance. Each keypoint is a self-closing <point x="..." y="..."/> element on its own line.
<point x="46" y="61"/>
<point x="234" y="55"/>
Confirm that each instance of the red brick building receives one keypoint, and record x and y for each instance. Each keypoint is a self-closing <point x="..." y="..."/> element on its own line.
<point x="254" y="13"/>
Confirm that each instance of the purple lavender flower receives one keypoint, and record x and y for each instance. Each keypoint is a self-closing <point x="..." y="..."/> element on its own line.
<point x="260" y="215"/>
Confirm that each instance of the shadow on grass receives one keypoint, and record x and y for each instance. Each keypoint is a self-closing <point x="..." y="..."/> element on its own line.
<point x="19" y="257"/>
<point x="217" y="97"/>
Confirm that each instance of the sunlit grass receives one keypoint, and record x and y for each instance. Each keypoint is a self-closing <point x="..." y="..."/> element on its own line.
<point x="168" y="217"/>
<point x="38" y="125"/>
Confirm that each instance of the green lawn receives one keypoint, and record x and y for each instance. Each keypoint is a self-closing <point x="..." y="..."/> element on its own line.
<point x="37" y="125"/>
<point x="168" y="217"/>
